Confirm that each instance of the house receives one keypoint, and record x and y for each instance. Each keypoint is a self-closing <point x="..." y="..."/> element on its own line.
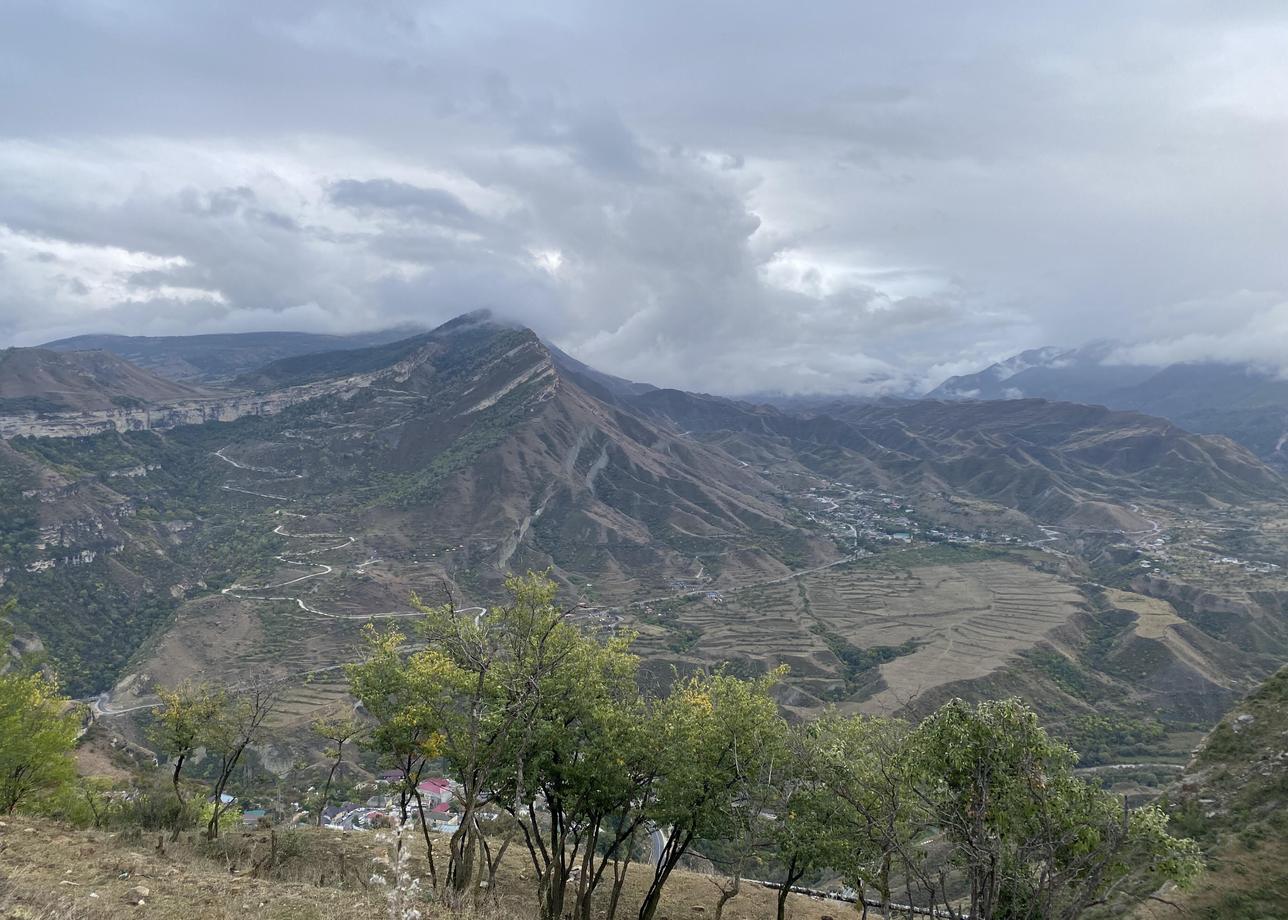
<point x="439" y="811"/>
<point x="252" y="817"/>
<point x="436" y="789"/>
<point x="376" y="819"/>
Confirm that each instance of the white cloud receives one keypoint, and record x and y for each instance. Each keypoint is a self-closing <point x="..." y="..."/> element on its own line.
<point x="723" y="197"/>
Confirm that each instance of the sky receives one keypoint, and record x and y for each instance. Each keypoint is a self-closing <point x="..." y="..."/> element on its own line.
<point x="822" y="197"/>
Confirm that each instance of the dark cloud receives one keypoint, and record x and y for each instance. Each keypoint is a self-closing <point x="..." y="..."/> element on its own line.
<point x="432" y="205"/>
<point x="719" y="195"/>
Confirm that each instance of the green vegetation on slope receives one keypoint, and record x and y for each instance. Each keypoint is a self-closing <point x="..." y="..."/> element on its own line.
<point x="1233" y="799"/>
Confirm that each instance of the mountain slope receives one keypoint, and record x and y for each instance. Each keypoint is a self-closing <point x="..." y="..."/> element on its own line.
<point x="1233" y="799"/>
<point x="40" y="380"/>
<point x="217" y="358"/>
<point x="1036" y="456"/>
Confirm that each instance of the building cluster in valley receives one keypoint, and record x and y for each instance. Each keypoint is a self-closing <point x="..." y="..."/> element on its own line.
<point x="857" y="517"/>
<point x="380" y="809"/>
<point x="438" y="795"/>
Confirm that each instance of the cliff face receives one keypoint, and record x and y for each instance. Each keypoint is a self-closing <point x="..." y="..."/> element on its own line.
<point x="223" y="408"/>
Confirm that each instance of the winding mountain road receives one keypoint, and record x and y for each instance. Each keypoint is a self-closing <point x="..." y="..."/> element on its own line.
<point x="240" y="591"/>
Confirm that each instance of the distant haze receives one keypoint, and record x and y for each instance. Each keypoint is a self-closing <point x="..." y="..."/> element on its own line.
<point x="729" y="197"/>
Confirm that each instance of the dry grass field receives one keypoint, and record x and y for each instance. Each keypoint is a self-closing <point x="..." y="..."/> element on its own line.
<point x="1153" y="615"/>
<point x="49" y="872"/>
<point x="942" y="622"/>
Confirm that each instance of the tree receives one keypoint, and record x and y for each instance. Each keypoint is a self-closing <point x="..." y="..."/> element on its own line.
<point x="480" y="681"/>
<point x="808" y="818"/>
<point x="405" y="734"/>
<point x="760" y="775"/>
<point x="858" y="812"/>
<point x="237" y="725"/>
<point x="468" y="696"/>
<point x="580" y="769"/>
<point x="339" y="732"/>
<point x="710" y="727"/>
<point x="1031" y="838"/>
<point x="38" y="728"/>
<point x="185" y="715"/>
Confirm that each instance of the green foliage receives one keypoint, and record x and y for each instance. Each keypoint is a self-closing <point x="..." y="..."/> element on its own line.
<point x="1029" y="835"/>
<point x="1063" y="672"/>
<point x="88" y="802"/>
<point x="38" y="728"/>
<point x="19" y="524"/>
<point x="527" y="709"/>
<point x="89" y="622"/>
<point x="853" y="811"/>
<point x="861" y="664"/>
<point x="1101" y="738"/>
<point x="186" y="718"/>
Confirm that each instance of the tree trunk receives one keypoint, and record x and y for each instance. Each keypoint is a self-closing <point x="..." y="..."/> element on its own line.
<point x="793" y="876"/>
<point x="462" y="869"/>
<point x="174" y="779"/>
<point x="671" y="855"/>
<point x="727" y="895"/>
<point x="326" y="790"/>
<point x="619" y="880"/>
<point x="429" y="844"/>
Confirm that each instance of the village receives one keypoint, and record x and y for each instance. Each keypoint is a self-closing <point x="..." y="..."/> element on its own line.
<point x="381" y="809"/>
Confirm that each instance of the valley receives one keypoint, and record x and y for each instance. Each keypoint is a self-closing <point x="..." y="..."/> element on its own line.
<point x="1099" y="564"/>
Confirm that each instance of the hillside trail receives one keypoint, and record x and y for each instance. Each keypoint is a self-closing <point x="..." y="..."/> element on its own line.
<point x="100" y="705"/>
<point x="240" y="591"/>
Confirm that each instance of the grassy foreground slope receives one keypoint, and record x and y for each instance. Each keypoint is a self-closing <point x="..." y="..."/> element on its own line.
<point x="49" y="871"/>
<point x="1233" y="799"/>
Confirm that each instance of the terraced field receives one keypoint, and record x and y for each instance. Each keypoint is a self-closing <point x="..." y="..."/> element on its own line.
<point x="872" y="637"/>
<point x="968" y="620"/>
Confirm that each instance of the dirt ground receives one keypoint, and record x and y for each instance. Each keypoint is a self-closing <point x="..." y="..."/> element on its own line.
<point x="48" y="871"/>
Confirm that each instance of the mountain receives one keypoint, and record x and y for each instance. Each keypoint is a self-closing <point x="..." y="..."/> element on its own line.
<point x="1247" y="404"/>
<point x="1067" y="375"/>
<point x="1243" y="402"/>
<point x="41" y="380"/>
<point x="1039" y="457"/>
<point x="888" y="552"/>
<point x="467" y="444"/>
<point x="594" y="380"/>
<point x="218" y="358"/>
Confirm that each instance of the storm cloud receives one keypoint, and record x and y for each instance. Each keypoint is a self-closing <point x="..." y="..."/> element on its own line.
<point x="730" y="197"/>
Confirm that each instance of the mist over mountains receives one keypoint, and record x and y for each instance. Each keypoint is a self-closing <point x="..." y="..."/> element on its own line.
<point x="1245" y="402"/>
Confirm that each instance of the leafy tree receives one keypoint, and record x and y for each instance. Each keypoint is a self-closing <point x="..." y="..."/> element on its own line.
<point x="237" y="725"/>
<point x="710" y="728"/>
<point x="804" y="830"/>
<point x="90" y="801"/>
<point x="761" y="779"/>
<point x="467" y="696"/>
<point x="180" y="724"/>
<point x="339" y="732"/>
<point x="405" y="735"/>
<point x="1031" y="838"/>
<point x="38" y="728"/>
<point x="586" y="757"/>
<point x="857" y="809"/>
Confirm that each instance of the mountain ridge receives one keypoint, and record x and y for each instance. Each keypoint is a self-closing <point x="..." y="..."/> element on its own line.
<point x="41" y="380"/>
<point x="218" y="358"/>
<point x="1246" y="403"/>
